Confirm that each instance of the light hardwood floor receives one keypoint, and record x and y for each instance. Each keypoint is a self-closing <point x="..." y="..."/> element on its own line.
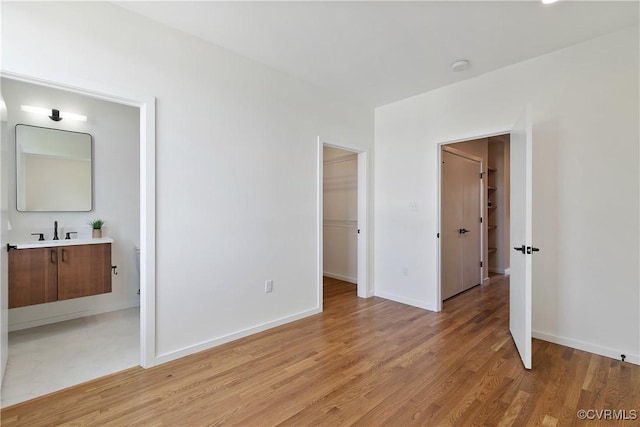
<point x="361" y="362"/>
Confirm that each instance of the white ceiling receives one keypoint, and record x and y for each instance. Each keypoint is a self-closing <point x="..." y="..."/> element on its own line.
<point x="381" y="52"/>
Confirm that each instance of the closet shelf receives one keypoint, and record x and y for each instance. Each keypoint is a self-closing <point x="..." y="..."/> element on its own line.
<point x="491" y="188"/>
<point x="491" y="250"/>
<point x="492" y="227"/>
<point x="491" y="207"/>
<point x="490" y="169"/>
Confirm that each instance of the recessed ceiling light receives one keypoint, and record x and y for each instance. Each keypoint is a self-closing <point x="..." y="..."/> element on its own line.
<point x="548" y="1"/>
<point x="461" y="65"/>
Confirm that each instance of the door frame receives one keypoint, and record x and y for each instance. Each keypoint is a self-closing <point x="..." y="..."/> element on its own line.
<point x="4" y="228"/>
<point x="364" y="290"/>
<point x="147" y="106"/>
<point x="439" y="146"/>
<point x="473" y="158"/>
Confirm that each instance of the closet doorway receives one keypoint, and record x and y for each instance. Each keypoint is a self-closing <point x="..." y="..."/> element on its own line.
<point x="342" y="218"/>
<point x="340" y="214"/>
<point x="475" y="217"/>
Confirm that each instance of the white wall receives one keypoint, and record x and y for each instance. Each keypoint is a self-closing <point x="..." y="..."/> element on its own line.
<point x="236" y="162"/>
<point x="340" y="211"/>
<point x="115" y="132"/>
<point x="586" y="186"/>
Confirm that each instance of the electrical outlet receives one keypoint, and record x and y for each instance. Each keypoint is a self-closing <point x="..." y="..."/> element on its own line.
<point x="268" y="286"/>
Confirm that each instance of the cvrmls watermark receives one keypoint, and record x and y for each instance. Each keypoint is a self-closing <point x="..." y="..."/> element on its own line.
<point x="608" y="414"/>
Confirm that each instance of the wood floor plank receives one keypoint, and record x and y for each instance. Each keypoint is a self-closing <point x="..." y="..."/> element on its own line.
<point x="364" y="362"/>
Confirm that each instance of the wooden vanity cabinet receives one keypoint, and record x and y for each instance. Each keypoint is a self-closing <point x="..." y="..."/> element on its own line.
<point x="42" y="275"/>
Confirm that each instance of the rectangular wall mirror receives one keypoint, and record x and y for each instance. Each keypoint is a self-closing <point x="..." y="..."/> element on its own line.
<point x="53" y="170"/>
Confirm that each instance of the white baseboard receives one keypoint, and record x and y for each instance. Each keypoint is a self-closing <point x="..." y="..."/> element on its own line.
<point x="206" y="345"/>
<point x="588" y="347"/>
<point x="407" y="301"/>
<point x="498" y="270"/>
<point x="340" y="277"/>
<point x="70" y="316"/>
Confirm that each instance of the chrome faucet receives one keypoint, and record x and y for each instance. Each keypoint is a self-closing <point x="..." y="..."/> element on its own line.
<point x="55" y="230"/>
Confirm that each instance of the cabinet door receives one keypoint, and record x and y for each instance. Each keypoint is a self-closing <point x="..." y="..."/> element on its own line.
<point x="84" y="270"/>
<point x="32" y="276"/>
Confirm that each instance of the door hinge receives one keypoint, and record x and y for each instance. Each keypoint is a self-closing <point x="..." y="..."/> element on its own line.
<point x="438" y="235"/>
<point x="481" y="174"/>
<point x="481" y="264"/>
<point x="480" y="220"/>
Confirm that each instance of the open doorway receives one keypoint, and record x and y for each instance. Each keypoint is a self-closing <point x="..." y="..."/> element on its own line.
<point x="68" y="339"/>
<point x="342" y="219"/>
<point x="475" y="213"/>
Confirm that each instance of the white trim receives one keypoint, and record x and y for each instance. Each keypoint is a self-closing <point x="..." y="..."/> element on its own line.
<point x="364" y="289"/>
<point x="340" y="277"/>
<point x="320" y="224"/>
<point x="439" y="146"/>
<point x="147" y="105"/>
<point x="408" y="301"/>
<point x="504" y="271"/>
<point x="206" y="345"/>
<point x="588" y="347"/>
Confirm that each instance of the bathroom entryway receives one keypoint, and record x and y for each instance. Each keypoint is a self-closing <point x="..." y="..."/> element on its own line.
<point x="72" y="336"/>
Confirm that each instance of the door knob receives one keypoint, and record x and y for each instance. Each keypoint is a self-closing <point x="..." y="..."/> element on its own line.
<point x="522" y="249"/>
<point x="463" y="231"/>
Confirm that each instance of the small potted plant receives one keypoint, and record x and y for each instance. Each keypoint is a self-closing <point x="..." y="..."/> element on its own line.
<point x="97" y="228"/>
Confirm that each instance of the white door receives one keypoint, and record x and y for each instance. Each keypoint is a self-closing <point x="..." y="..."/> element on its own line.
<point x="520" y="281"/>
<point x="460" y="227"/>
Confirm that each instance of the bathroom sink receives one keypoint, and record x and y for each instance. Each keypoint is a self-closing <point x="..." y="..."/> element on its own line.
<point x="62" y="242"/>
<point x="43" y="242"/>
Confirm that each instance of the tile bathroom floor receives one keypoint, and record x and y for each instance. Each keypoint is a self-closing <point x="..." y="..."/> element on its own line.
<point x="48" y="358"/>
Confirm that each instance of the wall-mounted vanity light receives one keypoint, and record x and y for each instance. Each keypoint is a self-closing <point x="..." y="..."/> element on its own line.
<point x="53" y="114"/>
